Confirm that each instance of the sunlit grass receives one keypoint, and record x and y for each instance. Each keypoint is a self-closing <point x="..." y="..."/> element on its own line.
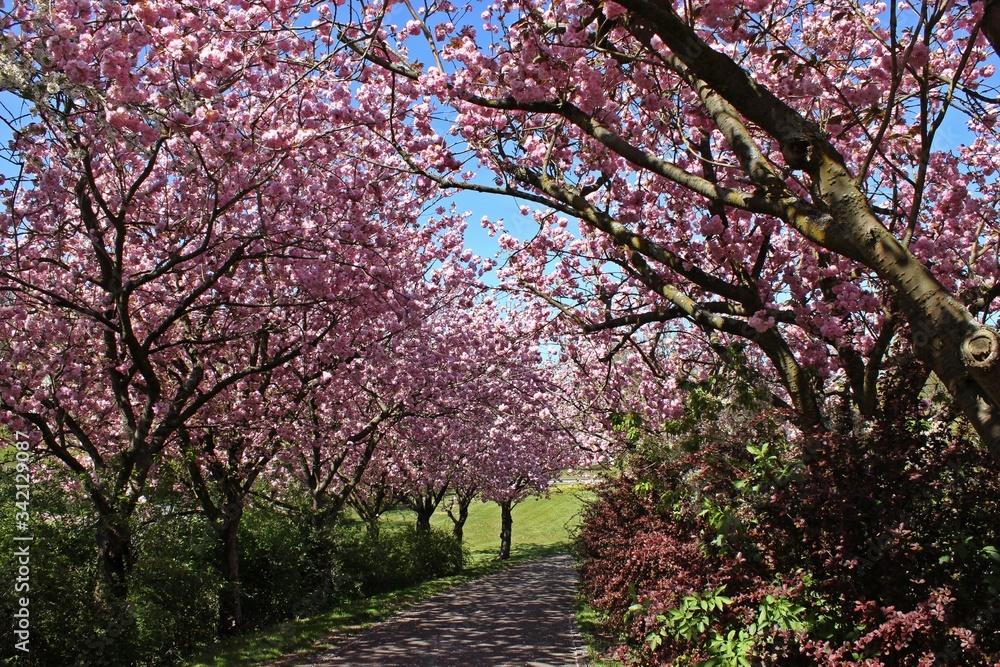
<point x="541" y="525"/>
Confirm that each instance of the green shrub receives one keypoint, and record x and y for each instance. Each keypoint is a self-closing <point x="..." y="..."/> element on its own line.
<point x="400" y="557"/>
<point x="286" y="568"/>
<point x="171" y="606"/>
<point x="174" y="588"/>
<point x="63" y="578"/>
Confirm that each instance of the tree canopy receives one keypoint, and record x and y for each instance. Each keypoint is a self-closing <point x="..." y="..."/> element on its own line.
<point x="226" y="245"/>
<point x="815" y="180"/>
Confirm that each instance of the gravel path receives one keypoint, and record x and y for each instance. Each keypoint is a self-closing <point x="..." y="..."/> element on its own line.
<point x="521" y="617"/>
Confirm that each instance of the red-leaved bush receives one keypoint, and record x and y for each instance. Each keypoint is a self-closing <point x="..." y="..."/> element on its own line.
<point x="730" y="545"/>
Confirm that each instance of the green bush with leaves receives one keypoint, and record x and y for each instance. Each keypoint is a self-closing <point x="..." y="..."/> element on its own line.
<point x="401" y="557"/>
<point x="727" y="544"/>
<point x="171" y="607"/>
<point x="174" y="586"/>
<point x="288" y="568"/>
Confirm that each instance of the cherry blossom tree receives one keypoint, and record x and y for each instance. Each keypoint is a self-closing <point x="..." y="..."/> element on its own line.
<point x="522" y="469"/>
<point x="223" y="465"/>
<point x="185" y="222"/>
<point x="350" y="407"/>
<point x="464" y="492"/>
<point x="527" y="438"/>
<point x="231" y="445"/>
<point x="426" y="478"/>
<point x="482" y="421"/>
<point x="441" y="445"/>
<point x="337" y="433"/>
<point x="782" y="177"/>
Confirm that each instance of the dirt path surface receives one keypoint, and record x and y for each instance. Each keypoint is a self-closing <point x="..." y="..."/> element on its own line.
<point x="521" y="617"/>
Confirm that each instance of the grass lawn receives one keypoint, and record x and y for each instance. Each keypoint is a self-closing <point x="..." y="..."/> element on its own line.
<point x="541" y="526"/>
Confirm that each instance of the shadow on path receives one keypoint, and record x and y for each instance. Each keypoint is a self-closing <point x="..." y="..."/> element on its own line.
<point x="521" y="617"/>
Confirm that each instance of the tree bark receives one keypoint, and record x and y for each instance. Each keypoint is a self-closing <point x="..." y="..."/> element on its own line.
<point x="462" y="503"/>
<point x="506" y="528"/>
<point x="424" y="519"/>
<point x="114" y="548"/>
<point x="231" y="598"/>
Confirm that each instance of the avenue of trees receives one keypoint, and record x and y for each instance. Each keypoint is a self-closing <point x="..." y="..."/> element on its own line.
<point x="214" y="289"/>
<point x="230" y="275"/>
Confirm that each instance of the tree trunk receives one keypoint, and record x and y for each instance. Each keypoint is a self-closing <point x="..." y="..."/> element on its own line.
<point x="369" y="515"/>
<point x="371" y="506"/>
<point x="231" y="598"/>
<point x="425" y="504"/>
<point x="320" y="555"/>
<point x="944" y="334"/>
<point x="506" y="525"/>
<point x="114" y="548"/>
<point x="424" y="519"/>
<point x="463" y="514"/>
